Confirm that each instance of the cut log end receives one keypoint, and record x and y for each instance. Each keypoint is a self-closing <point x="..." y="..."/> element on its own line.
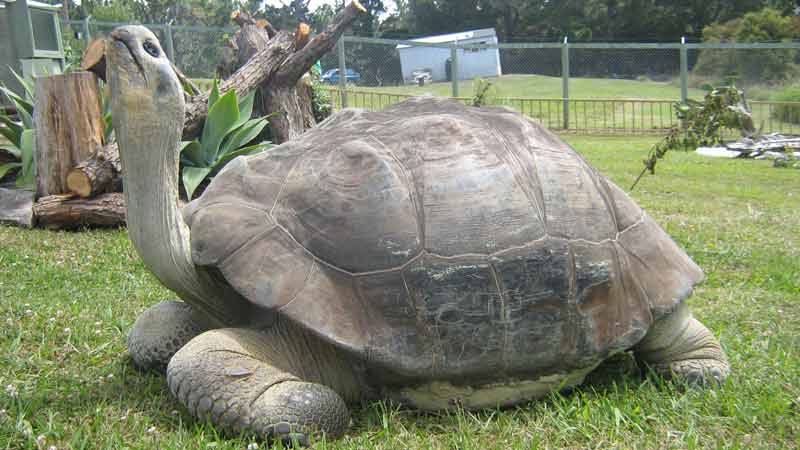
<point x="301" y="36"/>
<point x="358" y="6"/>
<point x="94" y="58"/>
<point x="79" y="183"/>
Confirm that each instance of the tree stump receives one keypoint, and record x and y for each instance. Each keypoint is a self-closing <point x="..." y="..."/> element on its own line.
<point x="275" y="61"/>
<point x="69" y="127"/>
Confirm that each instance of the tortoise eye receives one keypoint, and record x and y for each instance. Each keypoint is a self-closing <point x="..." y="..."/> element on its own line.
<point x="151" y="49"/>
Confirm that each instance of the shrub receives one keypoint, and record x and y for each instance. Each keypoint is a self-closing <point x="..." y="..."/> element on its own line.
<point x="20" y="136"/>
<point x="769" y="66"/>
<point x="226" y="134"/>
<point x="787" y="112"/>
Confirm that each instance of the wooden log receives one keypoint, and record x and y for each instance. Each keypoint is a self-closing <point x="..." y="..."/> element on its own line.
<point x="302" y="35"/>
<point x="98" y="174"/>
<point x="94" y="58"/>
<point x="69" y="127"/>
<point x="279" y="65"/>
<point x="68" y="212"/>
<point x="293" y="108"/>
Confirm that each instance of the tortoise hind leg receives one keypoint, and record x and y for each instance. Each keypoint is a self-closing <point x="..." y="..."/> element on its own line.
<point x="277" y="383"/>
<point x="162" y="330"/>
<point x="680" y="346"/>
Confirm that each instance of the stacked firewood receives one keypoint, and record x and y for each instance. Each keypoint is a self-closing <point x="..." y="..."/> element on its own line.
<point x="80" y="179"/>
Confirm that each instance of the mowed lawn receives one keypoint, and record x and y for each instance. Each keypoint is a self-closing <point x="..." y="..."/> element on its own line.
<point x="68" y="300"/>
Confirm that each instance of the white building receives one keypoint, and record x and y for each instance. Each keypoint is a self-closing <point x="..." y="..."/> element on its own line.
<point x="472" y="63"/>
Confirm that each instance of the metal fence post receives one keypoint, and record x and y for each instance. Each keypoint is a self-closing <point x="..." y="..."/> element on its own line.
<point x="86" y="35"/>
<point x="454" y="68"/>
<point x="342" y="72"/>
<point x="169" y="43"/>
<point x="684" y="71"/>
<point x="684" y="75"/>
<point x="565" y="80"/>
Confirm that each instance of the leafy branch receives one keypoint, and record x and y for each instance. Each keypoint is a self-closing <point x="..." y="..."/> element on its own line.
<point x="702" y="124"/>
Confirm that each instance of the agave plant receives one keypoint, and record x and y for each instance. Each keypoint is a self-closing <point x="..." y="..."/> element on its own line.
<point x="227" y="133"/>
<point x="20" y="135"/>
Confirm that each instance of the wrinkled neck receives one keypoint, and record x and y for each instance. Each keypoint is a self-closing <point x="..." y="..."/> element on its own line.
<point x="150" y="173"/>
<point x="149" y="134"/>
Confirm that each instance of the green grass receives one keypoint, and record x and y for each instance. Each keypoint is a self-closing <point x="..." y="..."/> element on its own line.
<point x="68" y="300"/>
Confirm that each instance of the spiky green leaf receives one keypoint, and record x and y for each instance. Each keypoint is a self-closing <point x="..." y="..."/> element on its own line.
<point x="220" y="120"/>
<point x="26" y="84"/>
<point x="7" y="167"/>
<point x="18" y="101"/>
<point x="192" y="177"/>
<point x="213" y="96"/>
<point x="245" y="109"/>
<point x="242" y="135"/>
<point x="191" y="154"/>
<point x="27" y="177"/>
<point x="11" y="150"/>
<point x="250" y="150"/>
<point x="10" y="130"/>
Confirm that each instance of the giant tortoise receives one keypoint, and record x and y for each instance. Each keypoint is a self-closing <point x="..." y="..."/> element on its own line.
<point x="435" y="254"/>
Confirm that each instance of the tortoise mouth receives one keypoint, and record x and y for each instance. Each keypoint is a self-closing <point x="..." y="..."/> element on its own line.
<point x="120" y="39"/>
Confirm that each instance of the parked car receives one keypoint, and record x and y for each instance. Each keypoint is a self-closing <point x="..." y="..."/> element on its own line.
<point x="331" y="76"/>
<point x="421" y="77"/>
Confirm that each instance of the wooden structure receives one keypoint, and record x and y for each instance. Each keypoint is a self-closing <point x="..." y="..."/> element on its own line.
<point x="30" y="41"/>
<point x="69" y="127"/>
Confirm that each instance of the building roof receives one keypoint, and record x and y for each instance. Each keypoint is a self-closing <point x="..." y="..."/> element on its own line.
<point x="34" y="4"/>
<point x="453" y="37"/>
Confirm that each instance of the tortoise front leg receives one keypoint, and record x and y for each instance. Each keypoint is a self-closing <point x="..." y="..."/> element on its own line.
<point x="162" y="330"/>
<point x="281" y="383"/>
<point x="679" y="345"/>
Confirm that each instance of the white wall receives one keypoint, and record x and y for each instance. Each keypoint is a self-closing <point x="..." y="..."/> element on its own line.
<point x="471" y="64"/>
<point x="484" y="62"/>
<point x="418" y="58"/>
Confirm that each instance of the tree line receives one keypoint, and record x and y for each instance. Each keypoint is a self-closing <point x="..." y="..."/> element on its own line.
<point x="514" y="20"/>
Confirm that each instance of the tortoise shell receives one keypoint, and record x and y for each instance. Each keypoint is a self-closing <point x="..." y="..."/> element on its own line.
<point x="436" y="240"/>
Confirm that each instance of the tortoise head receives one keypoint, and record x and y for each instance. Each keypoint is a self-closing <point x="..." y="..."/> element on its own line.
<point x="145" y="91"/>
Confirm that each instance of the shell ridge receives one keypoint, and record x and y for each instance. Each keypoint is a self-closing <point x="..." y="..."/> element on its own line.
<point x="311" y="271"/>
<point x="284" y="182"/>
<point x="504" y="307"/>
<point x="569" y="327"/>
<point x="245" y="244"/>
<point x="410" y="185"/>
<point x="602" y="189"/>
<point x="513" y="162"/>
<point x="637" y="282"/>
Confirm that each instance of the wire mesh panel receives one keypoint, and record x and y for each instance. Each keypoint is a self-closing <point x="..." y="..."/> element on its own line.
<point x="531" y="61"/>
<point x="763" y="73"/>
<point x="373" y="65"/>
<point x="617" y="88"/>
<point x="609" y="75"/>
<point x="198" y="50"/>
<point x="749" y="68"/>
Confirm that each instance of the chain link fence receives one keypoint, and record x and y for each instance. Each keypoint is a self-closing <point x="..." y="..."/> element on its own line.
<point x="583" y="87"/>
<point x="196" y="50"/>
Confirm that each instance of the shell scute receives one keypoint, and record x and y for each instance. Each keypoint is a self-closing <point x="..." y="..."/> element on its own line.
<point x="437" y="240"/>
<point x="351" y="207"/>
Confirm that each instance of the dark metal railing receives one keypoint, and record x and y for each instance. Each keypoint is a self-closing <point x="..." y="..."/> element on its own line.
<point x="613" y="116"/>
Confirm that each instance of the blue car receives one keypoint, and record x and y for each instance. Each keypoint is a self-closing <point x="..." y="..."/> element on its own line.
<point x="331" y="76"/>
